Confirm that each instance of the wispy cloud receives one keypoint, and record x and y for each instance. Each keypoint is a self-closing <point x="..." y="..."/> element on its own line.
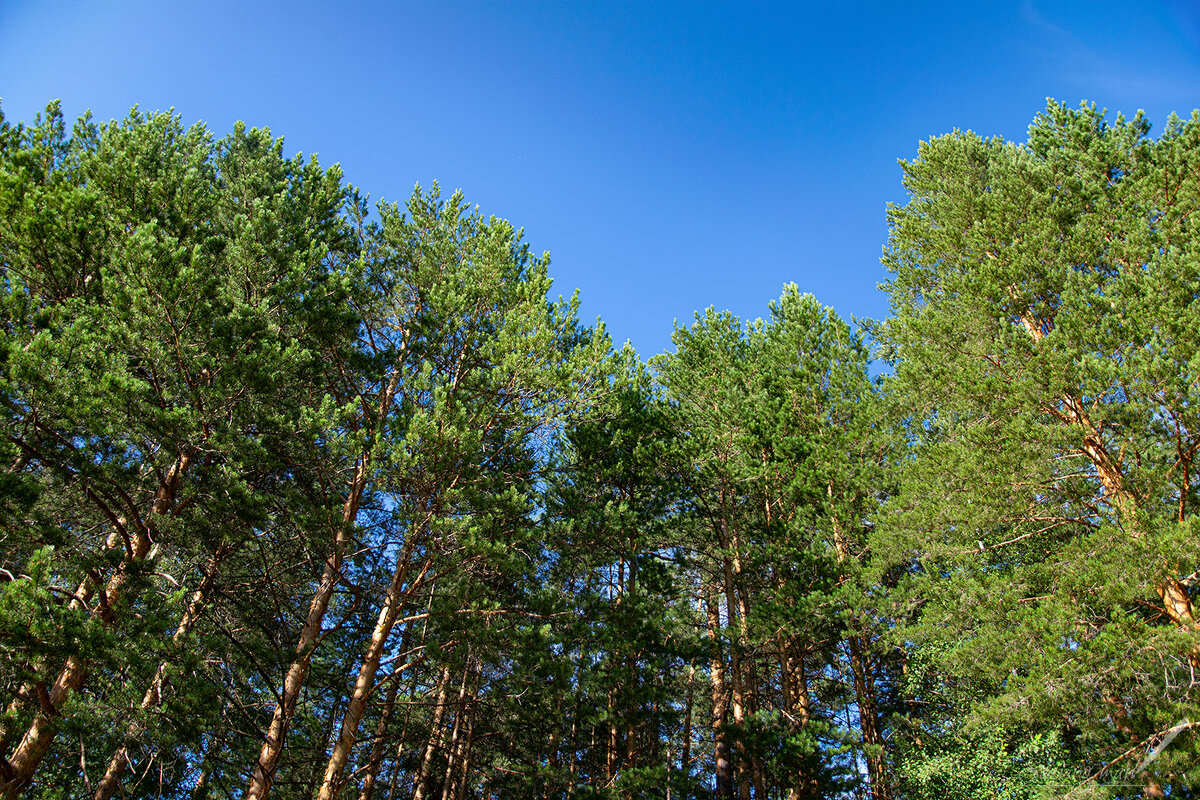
<point x="1095" y="67"/>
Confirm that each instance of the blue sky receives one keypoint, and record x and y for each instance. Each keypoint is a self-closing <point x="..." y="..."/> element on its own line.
<point x="670" y="156"/>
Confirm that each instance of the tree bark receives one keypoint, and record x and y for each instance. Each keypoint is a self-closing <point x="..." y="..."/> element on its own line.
<point x="377" y="745"/>
<point x="421" y="787"/>
<point x="466" y="756"/>
<point x="23" y="764"/>
<point x="455" y="752"/>
<point x="864" y="686"/>
<point x="685" y="753"/>
<point x="1176" y="602"/>
<point x="398" y="592"/>
<point x="804" y="785"/>
<point x="310" y="635"/>
<point x="868" y="719"/>
<point x="735" y="680"/>
<point x="108" y="785"/>
<point x="720" y="704"/>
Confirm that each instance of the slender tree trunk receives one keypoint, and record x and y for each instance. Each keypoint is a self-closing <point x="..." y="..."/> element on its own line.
<point x="377" y="745"/>
<point x="402" y="739"/>
<point x="911" y="711"/>
<point x="1151" y="788"/>
<point x="868" y="719"/>
<point x="452" y="746"/>
<point x="27" y="693"/>
<point x="200" y="790"/>
<point x="421" y="788"/>
<point x="804" y="785"/>
<point x="630" y="756"/>
<point x="736" y="597"/>
<point x="573" y="753"/>
<point x="458" y="735"/>
<point x="757" y="771"/>
<point x="466" y="756"/>
<point x="631" y="746"/>
<point x="394" y="777"/>
<point x="456" y="787"/>
<point x="864" y="686"/>
<point x="611" y="744"/>
<point x="215" y="743"/>
<point x="689" y="701"/>
<point x="310" y="635"/>
<point x="735" y="681"/>
<point x="22" y="460"/>
<point x="1176" y="601"/>
<point x="612" y="756"/>
<point x="25" y="760"/>
<point x="108" y="785"/>
<point x="553" y="745"/>
<point x="311" y="781"/>
<point x="398" y="592"/>
<point x="720" y="705"/>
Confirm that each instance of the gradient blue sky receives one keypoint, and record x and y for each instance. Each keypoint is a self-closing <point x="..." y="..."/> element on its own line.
<point x="669" y="156"/>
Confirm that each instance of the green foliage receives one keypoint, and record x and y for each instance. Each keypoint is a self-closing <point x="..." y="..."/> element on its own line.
<point x="168" y="298"/>
<point x="242" y="412"/>
<point x="990" y="765"/>
<point x="1044" y="339"/>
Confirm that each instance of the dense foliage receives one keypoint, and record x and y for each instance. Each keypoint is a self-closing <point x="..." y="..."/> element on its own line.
<point x="303" y="499"/>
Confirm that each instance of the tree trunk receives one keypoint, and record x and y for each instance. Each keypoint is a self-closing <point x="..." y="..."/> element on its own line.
<point x="312" y="768"/>
<point x="573" y="754"/>
<point x="402" y="739"/>
<point x="553" y="745"/>
<point x="736" y="598"/>
<point x="466" y="756"/>
<point x="458" y="736"/>
<point x="376" y="759"/>
<point x="735" y="682"/>
<point x="23" y="764"/>
<point x="685" y="751"/>
<point x="1151" y="787"/>
<point x="421" y="789"/>
<point x="310" y="636"/>
<point x="864" y="686"/>
<point x="804" y="785"/>
<point x="398" y="592"/>
<point x="27" y="692"/>
<point x="868" y="719"/>
<point x="1175" y="600"/>
<point x="720" y="705"/>
<point x="611" y="743"/>
<point x="200" y="790"/>
<point x="108" y="785"/>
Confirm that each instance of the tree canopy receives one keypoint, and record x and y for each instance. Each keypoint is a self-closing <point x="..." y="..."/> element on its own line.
<point x="303" y="498"/>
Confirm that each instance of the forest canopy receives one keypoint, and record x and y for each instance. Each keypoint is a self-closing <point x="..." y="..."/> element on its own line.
<point x="303" y="498"/>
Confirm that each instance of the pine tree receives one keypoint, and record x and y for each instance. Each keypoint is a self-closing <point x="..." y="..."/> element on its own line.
<point x="1044" y="332"/>
<point x="166" y="309"/>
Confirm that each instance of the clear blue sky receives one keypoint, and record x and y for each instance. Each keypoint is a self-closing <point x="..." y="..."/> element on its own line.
<point x="669" y="156"/>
